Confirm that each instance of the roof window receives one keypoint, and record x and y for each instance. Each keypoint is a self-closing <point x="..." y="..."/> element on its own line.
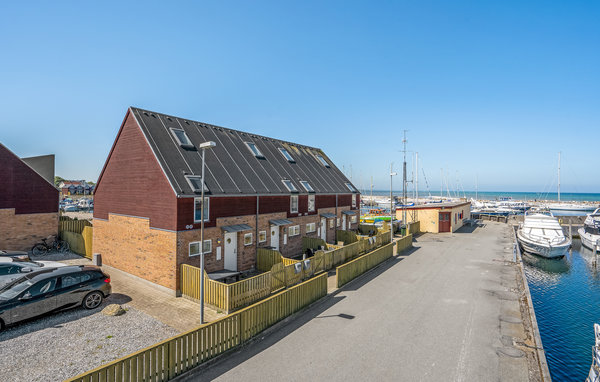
<point x="289" y="185"/>
<point x="351" y="187"/>
<point x="286" y="155"/>
<point x="182" y="138"/>
<point x="252" y="147"/>
<point x="307" y="186"/>
<point x="322" y="160"/>
<point x="196" y="183"/>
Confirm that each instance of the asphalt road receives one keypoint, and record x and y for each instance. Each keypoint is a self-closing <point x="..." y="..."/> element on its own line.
<point x="447" y="311"/>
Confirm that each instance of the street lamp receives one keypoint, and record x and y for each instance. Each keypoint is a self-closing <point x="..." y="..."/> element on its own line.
<point x="392" y="174"/>
<point x="203" y="146"/>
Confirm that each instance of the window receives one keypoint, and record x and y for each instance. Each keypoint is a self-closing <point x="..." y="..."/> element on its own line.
<point x="331" y="223"/>
<point x="294" y="230"/>
<point x="70" y="280"/>
<point x="196" y="183"/>
<point x="353" y="200"/>
<point x="182" y="138"/>
<point x="262" y="236"/>
<point x="311" y="203"/>
<point x="307" y="186"/>
<point x="286" y="155"/>
<point x="353" y="219"/>
<point x="351" y="187"/>
<point x="338" y="222"/>
<point x="198" y="209"/>
<point x="252" y="147"/>
<point x="42" y="287"/>
<point x="294" y="204"/>
<point x="289" y="185"/>
<point x="195" y="247"/>
<point x="322" y="160"/>
<point x="248" y="239"/>
<point x="311" y="227"/>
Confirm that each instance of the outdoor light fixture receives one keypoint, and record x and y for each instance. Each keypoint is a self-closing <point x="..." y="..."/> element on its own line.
<point x="203" y="146"/>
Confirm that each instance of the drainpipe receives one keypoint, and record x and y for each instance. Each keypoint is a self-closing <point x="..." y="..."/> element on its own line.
<point x="256" y="234"/>
<point x="336" y="218"/>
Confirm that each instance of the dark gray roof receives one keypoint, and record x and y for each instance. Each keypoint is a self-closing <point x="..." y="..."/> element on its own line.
<point x="327" y="215"/>
<point x="280" y="222"/>
<point x="236" y="228"/>
<point x="231" y="168"/>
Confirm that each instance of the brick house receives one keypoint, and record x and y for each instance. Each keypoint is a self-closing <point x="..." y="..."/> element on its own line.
<point x="259" y="192"/>
<point x="75" y="187"/>
<point x="28" y="200"/>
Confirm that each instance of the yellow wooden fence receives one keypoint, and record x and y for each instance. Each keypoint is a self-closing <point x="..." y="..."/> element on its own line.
<point x="414" y="228"/>
<point x="174" y="356"/>
<point x="314" y="243"/>
<point x="266" y="258"/>
<point x="346" y="272"/>
<point x="79" y="234"/>
<point x="73" y="225"/>
<point x="404" y="243"/>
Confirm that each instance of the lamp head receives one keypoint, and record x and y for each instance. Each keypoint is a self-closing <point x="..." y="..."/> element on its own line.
<point x="207" y="145"/>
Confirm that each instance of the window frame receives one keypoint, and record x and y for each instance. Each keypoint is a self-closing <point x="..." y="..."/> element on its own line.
<point x="313" y="227"/>
<point x="189" y="178"/>
<point x="350" y="187"/>
<point x="185" y="145"/>
<point x="246" y="235"/>
<point x="190" y="248"/>
<point x="322" y="160"/>
<point x="261" y="233"/>
<point x="290" y="185"/>
<point x="307" y="186"/>
<point x="286" y="154"/>
<point x="292" y="230"/>
<point x="256" y="151"/>
<point x="311" y="202"/>
<point x="331" y="223"/>
<point x="206" y="209"/>
<point x="292" y="198"/>
<point x="353" y="200"/>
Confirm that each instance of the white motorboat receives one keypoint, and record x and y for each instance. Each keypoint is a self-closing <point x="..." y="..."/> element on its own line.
<point x="594" y="374"/>
<point x="570" y="207"/>
<point x="590" y="232"/>
<point x="541" y="234"/>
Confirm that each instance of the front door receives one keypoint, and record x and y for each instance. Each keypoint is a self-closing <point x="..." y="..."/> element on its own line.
<point x="344" y="222"/>
<point x="444" y="222"/>
<point x="231" y="251"/>
<point x="324" y="229"/>
<point x="275" y="237"/>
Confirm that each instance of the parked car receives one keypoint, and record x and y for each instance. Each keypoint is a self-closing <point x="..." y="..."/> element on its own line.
<point x="70" y="208"/>
<point x="12" y="268"/>
<point x="52" y="290"/>
<point x="19" y="255"/>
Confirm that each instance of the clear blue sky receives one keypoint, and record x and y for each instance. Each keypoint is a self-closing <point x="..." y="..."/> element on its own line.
<point x="491" y="90"/>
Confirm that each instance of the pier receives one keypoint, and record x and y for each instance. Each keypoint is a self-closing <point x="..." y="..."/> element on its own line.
<point x="453" y="309"/>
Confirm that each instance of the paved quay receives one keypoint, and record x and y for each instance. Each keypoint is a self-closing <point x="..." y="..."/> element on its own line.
<point x="448" y="310"/>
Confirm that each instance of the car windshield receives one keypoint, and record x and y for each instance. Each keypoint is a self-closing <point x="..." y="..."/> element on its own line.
<point x="13" y="289"/>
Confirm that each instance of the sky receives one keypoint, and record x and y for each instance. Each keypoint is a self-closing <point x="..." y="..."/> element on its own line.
<point x="489" y="92"/>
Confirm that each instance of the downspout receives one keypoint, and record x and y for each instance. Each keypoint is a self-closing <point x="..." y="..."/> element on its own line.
<point x="336" y="219"/>
<point x="256" y="234"/>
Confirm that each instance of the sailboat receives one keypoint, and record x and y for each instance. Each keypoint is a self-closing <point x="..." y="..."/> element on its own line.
<point x="575" y="207"/>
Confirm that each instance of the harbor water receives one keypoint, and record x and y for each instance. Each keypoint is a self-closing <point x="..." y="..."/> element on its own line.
<point x="566" y="299"/>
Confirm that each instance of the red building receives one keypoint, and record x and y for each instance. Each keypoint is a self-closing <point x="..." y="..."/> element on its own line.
<point x="260" y="192"/>
<point x="28" y="201"/>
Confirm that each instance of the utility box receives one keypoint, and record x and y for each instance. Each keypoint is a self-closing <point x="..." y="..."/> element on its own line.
<point x="97" y="259"/>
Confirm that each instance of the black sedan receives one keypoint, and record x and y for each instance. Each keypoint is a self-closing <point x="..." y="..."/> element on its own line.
<point x="52" y="290"/>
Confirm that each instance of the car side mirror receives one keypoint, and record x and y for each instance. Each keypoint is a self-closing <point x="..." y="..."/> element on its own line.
<point x="26" y="270"/>
<point x="25" y="297"/>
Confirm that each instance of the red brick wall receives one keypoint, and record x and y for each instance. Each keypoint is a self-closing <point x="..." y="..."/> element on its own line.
<point x="132" y="182"/>
<point x="24" y="189"/>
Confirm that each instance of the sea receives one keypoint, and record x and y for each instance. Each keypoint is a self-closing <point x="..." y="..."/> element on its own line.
<point x="493" y="195"/>
<point x="566" y="298"/>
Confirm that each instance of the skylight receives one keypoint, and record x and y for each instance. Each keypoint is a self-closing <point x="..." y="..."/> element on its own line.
<point x="322" y="160"/>
<point x="286" y="155"/>
<point x="289" y="185"/>
<point x="195" y="183"/>
<point x="306" y="186"/>
<point x="252" y="147"/>
<point x="351" y="187"/>
<point x="182" y="138"/>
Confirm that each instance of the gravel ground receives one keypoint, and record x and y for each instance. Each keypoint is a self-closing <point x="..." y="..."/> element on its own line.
<point x="60" y="346"/>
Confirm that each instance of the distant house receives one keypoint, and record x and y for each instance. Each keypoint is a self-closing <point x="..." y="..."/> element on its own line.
<point x="75" y="187"/>
<point x="260" y="192"/>
<point x="28" y="200"/>
<point x="438" y="217"/>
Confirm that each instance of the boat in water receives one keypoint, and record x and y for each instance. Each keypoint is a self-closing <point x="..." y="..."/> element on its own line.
<point x="590" y="232"/>
<point x="542" y="235"/>
<point x="571" y="207"/>
<point x="594" y="374"/>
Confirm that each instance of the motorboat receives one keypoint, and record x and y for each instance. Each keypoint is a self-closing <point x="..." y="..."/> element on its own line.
<point x="590" y="232"/>
<point x="542" y="235"/>
<point x="594" y="374"/>
<point x="571" y="207"/>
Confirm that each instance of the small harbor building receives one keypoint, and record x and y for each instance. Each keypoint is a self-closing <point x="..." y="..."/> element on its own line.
<point x="28" y="200"/>
<point x="438" y="217"/>
<point x="259" y="192"/>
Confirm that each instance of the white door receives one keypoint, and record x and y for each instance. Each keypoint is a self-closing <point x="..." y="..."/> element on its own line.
<point x="344" y="222"/>
<point x="324" y="229"/>
<point x="275" y="237"/>
<point x="231" y="251"/>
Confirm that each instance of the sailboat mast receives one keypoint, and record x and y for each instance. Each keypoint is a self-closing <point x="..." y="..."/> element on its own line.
<point x="559" y="176"/>
<point x="417" y="178"/>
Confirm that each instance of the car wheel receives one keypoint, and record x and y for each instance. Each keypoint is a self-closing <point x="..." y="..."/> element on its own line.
<point x="92" y="300"/>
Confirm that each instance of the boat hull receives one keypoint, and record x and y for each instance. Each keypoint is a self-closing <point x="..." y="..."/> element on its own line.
<point x="543" y="250"/>
<point x="587" y="239"/>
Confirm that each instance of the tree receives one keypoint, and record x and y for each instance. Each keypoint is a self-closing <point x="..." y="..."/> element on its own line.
<point x="58" y="180"/>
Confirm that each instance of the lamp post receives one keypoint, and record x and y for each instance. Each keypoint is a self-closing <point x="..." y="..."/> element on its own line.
<point x="203" y="146"/>
<point x="392" y="174"/>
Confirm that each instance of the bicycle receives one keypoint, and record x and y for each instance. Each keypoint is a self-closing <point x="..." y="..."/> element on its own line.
<point x="44" y="247"/>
